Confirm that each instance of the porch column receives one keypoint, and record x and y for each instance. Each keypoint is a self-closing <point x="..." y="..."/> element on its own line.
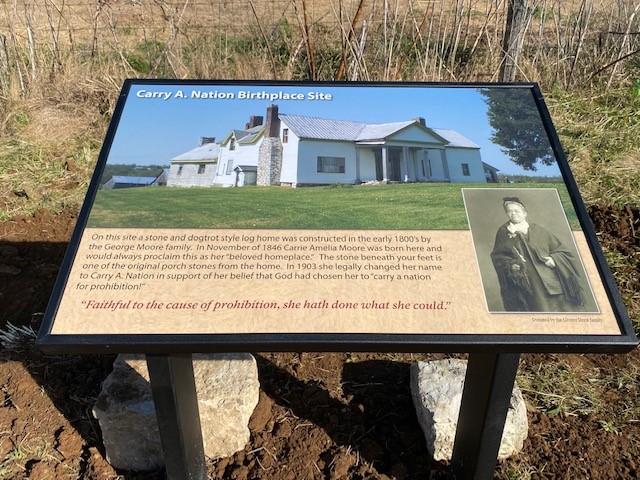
<point x="426" y="164"/>
<point x="385" y="156"/>
<point x="405" y="162"/>
<point x="445" y="164"/>
<point x="357" y="165"/>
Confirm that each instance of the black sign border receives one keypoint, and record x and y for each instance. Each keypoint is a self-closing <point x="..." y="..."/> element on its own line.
<point x="451" y="343"/>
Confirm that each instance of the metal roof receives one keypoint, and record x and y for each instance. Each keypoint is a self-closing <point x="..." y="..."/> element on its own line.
<point x="133" y="180"/>
<point x="246" y="168"/>
<point x="490" y="167"/>
<point x="323" y="128"/>
<point x="378" y="131"/>
<point x="208" y="151"/>
<point x="239" y="134"/>
<point x="329" y="129"/>
<point x="454" y="138"/>
<point x="249" y="135"/>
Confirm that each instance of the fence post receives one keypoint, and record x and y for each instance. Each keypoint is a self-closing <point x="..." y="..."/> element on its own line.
<point x="513" y="38"/>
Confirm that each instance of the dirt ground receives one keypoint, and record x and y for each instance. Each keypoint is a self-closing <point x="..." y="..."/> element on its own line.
<point x="320" y="415"/>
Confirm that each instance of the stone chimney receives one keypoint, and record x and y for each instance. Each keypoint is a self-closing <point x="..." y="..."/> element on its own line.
<point x="254" y="121"/>
<point x="270" y="153"/>
<point x="420" y="120"/>
<point x="205" y="140"/>
<point x="272" y="126"/>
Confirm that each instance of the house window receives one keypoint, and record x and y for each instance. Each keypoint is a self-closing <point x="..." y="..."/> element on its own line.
<point x="201" y="168"/>
<point x="285" y="135"/>
<point x="331" y="164"/>
<point x="180" y="169"/>
<point x="232" y="144"/>
<point x="465" y="170"/>
<point x="229" y="167"/>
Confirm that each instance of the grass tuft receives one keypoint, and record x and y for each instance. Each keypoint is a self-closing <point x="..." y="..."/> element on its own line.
<point x="558" y="388"/>
<point x="599" y="133"/>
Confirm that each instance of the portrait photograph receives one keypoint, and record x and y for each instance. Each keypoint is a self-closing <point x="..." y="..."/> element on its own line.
<point x="526" y="252"/>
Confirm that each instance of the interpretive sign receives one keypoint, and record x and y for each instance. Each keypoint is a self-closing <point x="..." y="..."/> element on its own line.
<point x="255" y="215"/>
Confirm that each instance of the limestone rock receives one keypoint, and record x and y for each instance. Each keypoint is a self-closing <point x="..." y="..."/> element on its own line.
<point x="436" y="387"/>
<point x="227" y="388"/>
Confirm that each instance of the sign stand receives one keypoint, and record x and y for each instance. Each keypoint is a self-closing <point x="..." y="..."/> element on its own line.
<point x="174" y="394"/>
<point x="485" y="401"/>
<point x="125" y="257"/>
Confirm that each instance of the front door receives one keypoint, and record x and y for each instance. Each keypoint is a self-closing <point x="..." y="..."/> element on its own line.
<point x="378" y="156"/>
<point x="395" y="162"/>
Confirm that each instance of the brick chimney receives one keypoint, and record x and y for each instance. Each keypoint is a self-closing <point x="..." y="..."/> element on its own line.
<point x="272" y="126"/>
<point x="254" y="121"/>
<point x="205" y="140"/>
<point x="270" y="152"/>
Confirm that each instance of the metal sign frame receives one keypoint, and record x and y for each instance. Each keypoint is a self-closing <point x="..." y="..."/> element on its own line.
<point x="484" y="343"/>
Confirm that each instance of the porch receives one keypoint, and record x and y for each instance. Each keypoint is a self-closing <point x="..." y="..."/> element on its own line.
<point x="403" y="163"/>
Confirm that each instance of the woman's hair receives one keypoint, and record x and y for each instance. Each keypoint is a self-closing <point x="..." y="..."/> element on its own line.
<point x="512" y="200"/>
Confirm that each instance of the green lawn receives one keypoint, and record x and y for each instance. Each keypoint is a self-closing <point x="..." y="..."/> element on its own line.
<point x="393" y="207"/>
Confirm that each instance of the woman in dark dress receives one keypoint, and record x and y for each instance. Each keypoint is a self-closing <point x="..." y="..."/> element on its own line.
<point x="536" y="272"/>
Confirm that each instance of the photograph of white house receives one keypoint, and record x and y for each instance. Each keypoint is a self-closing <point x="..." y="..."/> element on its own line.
<point x="297" y="150"/>
<point x="197" y="167"/>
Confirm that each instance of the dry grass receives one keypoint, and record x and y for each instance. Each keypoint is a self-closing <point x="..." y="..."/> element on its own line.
<point x="567" y="43"/>
<point x="600" y="134"/>
<point x="62" y="64"/>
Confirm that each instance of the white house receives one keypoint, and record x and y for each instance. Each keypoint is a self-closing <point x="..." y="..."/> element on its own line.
<point x="196" y="167"/>
<point x="239" y="151"/>
<point x="300" y="150"/>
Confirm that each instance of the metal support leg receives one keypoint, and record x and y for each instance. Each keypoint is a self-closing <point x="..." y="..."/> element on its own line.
<point x="174" y="394"/>
<point x="485" y="402"/>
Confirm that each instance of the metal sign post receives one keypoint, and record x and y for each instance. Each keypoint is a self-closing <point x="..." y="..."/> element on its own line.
<point x="485" y="401"/>
<point x="174" y="394"/>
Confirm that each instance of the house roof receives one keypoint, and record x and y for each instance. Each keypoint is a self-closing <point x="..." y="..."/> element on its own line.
<point x="133" y="180"/>
<point x="329" y="129"/>
<point x="455" y="139"/>
<point x="323" y="128"/>
<point x="250" y="135"/>
<point x="489" y="167"/>
<point x="164" y="172"/>
<point x="378" y="131"/>
<point x="208" y="151"/>
<point x="246" y="168"/>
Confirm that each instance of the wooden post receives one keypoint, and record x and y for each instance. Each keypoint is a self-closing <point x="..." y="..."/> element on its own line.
<point x="513" y="38"/>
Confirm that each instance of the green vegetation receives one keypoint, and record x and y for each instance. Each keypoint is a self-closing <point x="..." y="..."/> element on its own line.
<point x="600" y="135"/>
<point x="569" y="386"/>
<point x="518" y="128"/>
<point x="410" y="206"/>
<point x="503" y="178"/>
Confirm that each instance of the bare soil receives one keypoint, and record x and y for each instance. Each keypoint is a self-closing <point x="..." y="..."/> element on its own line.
<point x="320" y="415"/>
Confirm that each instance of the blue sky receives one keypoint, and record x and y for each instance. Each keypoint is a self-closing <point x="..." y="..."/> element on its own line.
<point x="152" y="130"/>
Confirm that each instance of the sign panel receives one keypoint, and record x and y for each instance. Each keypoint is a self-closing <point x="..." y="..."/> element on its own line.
<point x="246" y="215"/>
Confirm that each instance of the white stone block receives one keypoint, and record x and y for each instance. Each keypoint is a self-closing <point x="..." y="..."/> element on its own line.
<point x="436" y="387"/>
<point x="227" y="388"/>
